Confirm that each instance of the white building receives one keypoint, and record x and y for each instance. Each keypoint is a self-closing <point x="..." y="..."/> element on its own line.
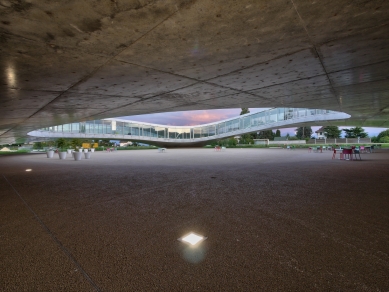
<point x="320" y="133"/>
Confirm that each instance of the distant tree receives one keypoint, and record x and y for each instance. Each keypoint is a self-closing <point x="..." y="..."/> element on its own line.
<point x="360" y="132"/>
<point x="303" y="132"/>
<point x="268" y="134"/>
<point x="293" y="138"/>
<point x="332" y="132"/>
<point x="384" y="139"/>
<point x="229" y="142"/>
<point x="278" y="133"/>
<point x="381" y="135"/>
<point x="37" y="145"/>
<point x="246" y="139"/>
<point x="232" y="141"/>
<point x="61" y="143"/>
<point x="75" y="142"/>
<point x="104" y="142"/>
<point x="355" y="133"/>
<point x="50" y="143"/>
<point x="244" y="111"/>
<point x="374" y="139"/>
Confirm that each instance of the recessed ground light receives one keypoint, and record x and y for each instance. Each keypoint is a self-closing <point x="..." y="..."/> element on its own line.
<point x="28" y="169"/>
<point x="192" y="238"/>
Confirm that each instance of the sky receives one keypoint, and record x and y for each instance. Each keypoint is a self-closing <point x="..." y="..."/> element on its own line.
<point x="192" y="118"/>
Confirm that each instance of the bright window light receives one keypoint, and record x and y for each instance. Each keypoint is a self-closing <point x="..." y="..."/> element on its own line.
<point x="192" y="238"/>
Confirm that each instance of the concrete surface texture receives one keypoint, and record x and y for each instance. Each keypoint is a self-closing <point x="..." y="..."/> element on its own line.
<point x="81" y="60"/>
<point x="276" y="220"/>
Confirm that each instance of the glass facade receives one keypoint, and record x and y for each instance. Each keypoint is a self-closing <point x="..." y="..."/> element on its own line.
<point x="137" y="130"/>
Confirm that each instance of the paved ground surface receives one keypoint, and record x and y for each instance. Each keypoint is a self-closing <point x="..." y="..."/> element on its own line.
<point x="276" y="220"/>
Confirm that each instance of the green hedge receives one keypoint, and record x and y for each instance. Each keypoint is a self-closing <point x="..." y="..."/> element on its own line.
<point x="17" y="152"/>
<point x="100" y="148"/>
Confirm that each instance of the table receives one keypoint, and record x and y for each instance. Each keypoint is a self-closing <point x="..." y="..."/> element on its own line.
<point x="348" y="153"/>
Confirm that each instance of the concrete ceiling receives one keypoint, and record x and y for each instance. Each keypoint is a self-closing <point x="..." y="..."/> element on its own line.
<point x="64" y="61"/>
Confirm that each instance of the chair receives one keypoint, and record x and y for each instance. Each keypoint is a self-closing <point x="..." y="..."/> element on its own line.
<point x="357" y="151"/>
<point x="317" y="149"/>
<point x="309" y="149"/>
<point x="338" y="151"/>
<point x="348" y="153"/>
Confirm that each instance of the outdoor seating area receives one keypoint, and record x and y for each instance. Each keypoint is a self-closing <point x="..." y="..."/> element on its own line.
<point x="220" y="148"/>
<point x="345" y="152"/>
<point x="111" y="149"/>
<point x="320" y="149"/>
<point x="351" y="153"/>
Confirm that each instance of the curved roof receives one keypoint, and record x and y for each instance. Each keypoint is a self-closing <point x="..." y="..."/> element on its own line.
<point x="165" y="135"/>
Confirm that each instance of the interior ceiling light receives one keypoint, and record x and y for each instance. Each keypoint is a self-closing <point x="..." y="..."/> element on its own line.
<point x="28" y="169"/>
<point x="192" y="238"/>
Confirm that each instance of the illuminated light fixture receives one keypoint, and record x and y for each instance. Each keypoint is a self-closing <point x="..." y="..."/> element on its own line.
<point x="11" y="76"/>
<point x="28" y="169"/>
<point x="192" y="238"/>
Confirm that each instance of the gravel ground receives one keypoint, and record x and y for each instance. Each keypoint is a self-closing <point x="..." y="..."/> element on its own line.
<point x="275" y="220"/>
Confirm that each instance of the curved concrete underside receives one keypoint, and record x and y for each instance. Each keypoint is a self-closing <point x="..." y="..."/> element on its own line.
<point x="175" y="137"/>
<point x="81" y="60"/>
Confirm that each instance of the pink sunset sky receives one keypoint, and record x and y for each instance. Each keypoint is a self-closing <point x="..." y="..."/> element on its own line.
<point x="191" y="118"/>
